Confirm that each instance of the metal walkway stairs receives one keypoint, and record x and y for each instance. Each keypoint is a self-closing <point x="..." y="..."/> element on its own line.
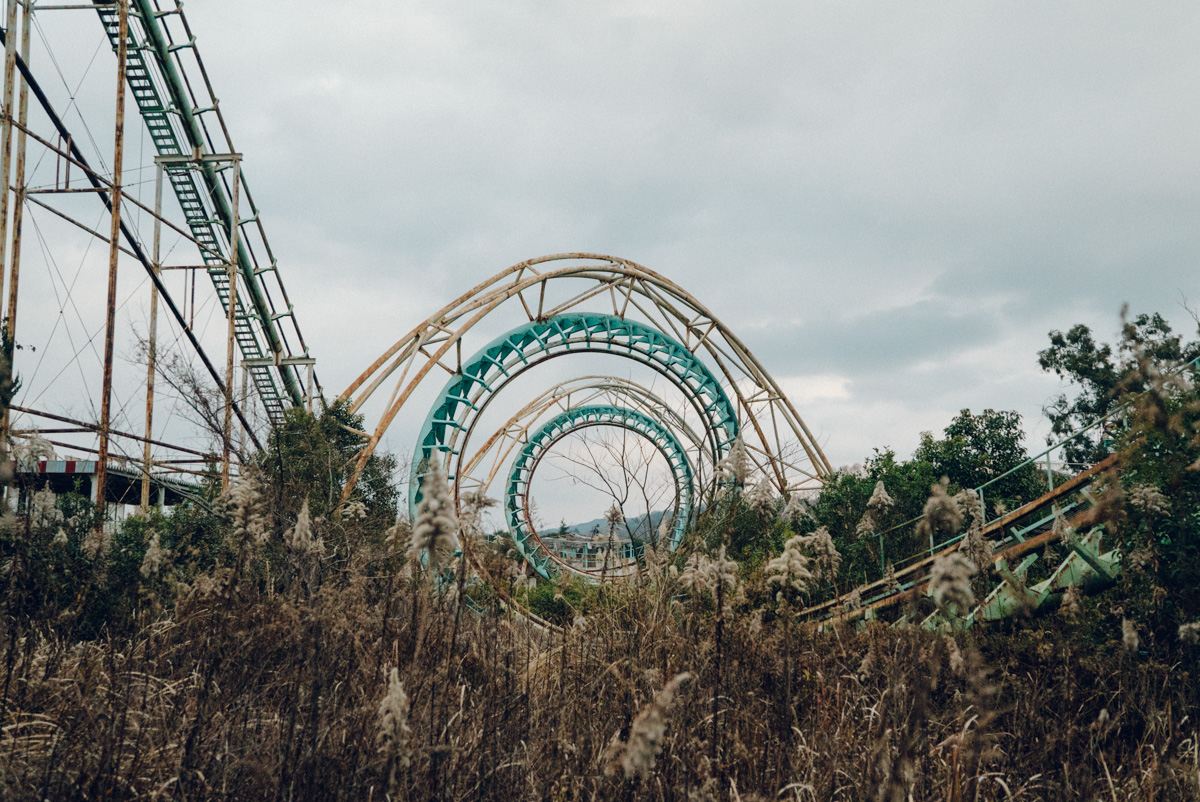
<point x="163" y="90"/>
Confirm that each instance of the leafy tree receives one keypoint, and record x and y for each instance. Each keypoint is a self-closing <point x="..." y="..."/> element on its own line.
<point x="842" y="504"/>
<point x="975" y="450"/>
<point x="980" y="448"/>
<point x="1099" y="373"/>
<point x="563" y="531"/>
<point x="309" y="456"/>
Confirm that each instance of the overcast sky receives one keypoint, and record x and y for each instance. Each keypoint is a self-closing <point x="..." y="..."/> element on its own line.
<point x="890" y="204"/>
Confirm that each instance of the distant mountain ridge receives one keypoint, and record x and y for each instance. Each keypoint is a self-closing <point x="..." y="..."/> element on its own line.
<point x="584" y="530"/>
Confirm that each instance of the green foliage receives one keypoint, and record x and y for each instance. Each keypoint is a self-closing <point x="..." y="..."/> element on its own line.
<point x="1098" y="373"/>
<point x="310" y="456"/>
<point x="751" y="536"/>
<point x="977" y="449"/>
<point x="842" y="503"/>
<point x="1162" y="546"/>
<point x="560" y="602"/>
<point x="43" y="576"/>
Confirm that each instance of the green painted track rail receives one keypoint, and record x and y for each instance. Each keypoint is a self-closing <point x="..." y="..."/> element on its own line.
<point x="552" y="431"/>
<point x="164" y="84"/>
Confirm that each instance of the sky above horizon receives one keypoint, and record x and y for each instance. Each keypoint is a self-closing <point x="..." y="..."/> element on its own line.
<point x="890" y="205"/>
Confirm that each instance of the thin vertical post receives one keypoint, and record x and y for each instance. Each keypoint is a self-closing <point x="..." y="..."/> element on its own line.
<point x="1049" y="473"/>
<point x="10" y="327"/>
<point x="245" y="393"/>
<point x="232" y="345"/>
<point x="152" y="343"/>
<point x="310" y="389"/>
<point x="10" y="66"/>
<point x="114" y="251"/>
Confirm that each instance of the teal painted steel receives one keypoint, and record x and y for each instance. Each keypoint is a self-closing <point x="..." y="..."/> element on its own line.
<point x="163" y="99"/>
<point x="528" y="543"/>
<point x="490" y="368"/>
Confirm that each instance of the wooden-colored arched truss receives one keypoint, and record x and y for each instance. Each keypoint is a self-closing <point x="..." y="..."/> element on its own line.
<point x="479" y="469"/>
<point x="777" y="440"/>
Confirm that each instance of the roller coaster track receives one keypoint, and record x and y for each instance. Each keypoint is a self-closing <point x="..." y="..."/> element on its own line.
<point x="165" y="86"/>
<point x="1023" y="533"/>
<point x="1084" y="564"/>
<point x="581" y="303"/>
<point x="731" y="392"/>
<point x="539" y="443"/>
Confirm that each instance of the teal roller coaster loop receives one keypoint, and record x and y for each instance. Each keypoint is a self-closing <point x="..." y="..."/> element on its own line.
<point x="479" y="468"/>
<point x="548" y="289"/>
<point x="466" y="395"/>
<point x="527" y="540"/>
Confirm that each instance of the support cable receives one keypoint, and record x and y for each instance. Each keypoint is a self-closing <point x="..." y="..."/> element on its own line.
<point x="134" y="245"/>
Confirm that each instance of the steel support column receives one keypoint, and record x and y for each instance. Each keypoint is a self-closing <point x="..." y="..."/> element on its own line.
<point x="114" y="252"/>
<point x="152" y="335"/>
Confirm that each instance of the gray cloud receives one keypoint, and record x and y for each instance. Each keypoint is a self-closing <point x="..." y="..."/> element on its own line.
<point x="877" y="194"/>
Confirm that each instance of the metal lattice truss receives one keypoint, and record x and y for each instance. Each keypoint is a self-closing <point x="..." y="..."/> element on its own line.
<point x="170" y="85"/>
<point x="529" y="544"/>
<point x="479" y="469"/>
<point x="588" y="303"/>
<point x="467" y="394"/>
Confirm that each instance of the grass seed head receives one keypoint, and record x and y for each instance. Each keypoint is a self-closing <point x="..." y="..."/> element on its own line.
<point x="393" y="717"/>
<point x="300" y="537"/>
<point x="1129" y="635"/>
<point x="826" y="558"/>
<point x="154" y="556"/>
<point x="790" y="569"/>
<point x="45" y="513"/>
<point x="761" y="497"/>
<point x="880" y="500"/>
<point x="245" y="504"/>
<point x="434" y="531"/>
<point x="950" y="583"/>
<point x="31" y="451"/>
<point x="736" y="465"/>
<point x="795" y="507"/>
<point x="941" y="514"/>
<point x="1071" y="607"/>
<point x="614" y="517"/>
<point x="977" y="547"/>
<point x="648" y="730"/>
<point x="890" y="583"/>
<point x="1149" y="500"/>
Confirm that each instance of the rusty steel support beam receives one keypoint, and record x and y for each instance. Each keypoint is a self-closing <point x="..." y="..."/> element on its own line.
<point x="14" y="272"/>
<point x="91" y="427"/>
<point x="114" y="253"/>
<point x="10" y="68"/>
<point x="76" y="156"/>
<point x="6" y="125"/>
<point x="161" y="464"/>
<point x="232" y="346"/>
<point x="152" y="336"/>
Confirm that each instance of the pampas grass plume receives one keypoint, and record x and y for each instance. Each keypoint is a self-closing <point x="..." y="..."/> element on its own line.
<point x="648" y="730"/>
